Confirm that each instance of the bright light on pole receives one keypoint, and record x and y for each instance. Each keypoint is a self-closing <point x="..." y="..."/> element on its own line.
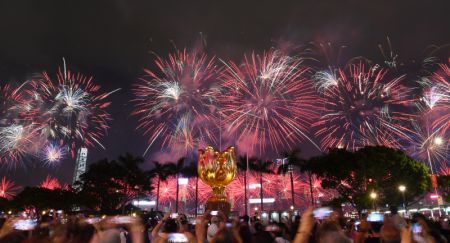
<point x="402" y="189"/>
<point x="373" y="195"/>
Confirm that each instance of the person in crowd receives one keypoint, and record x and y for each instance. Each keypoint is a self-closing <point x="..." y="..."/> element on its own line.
<point x="213" y="228"/>
<point x="397" y="221"/>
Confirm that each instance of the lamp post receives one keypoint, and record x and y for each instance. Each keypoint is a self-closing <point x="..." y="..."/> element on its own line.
<point x="373" y="195"/>
<point x="402" y="189"/>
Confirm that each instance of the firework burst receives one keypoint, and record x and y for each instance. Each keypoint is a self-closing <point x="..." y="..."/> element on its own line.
<point x="53" y="154"/>
<point x="436" y="97"/>
<point x="8" y="189"/>
<point x="177" y="104"/>
<point x="268" y="101"/>
<point x="16" y="141"/>
<point x="50" y="183"/>
<point x="70" y="108"/>
<point x="15" y="135"/>
<point x="429" y="143"/>
<point x="362" y="107"/>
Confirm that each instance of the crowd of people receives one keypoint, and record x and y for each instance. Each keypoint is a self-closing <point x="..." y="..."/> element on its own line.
<point x="216" y="227"/>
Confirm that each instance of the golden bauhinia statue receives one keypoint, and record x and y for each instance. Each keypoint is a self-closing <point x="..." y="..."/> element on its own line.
<point x="217" y="169"/>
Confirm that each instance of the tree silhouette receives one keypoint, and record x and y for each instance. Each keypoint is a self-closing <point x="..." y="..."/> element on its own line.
<point x="162" y="172"/>
<point x="354" y="175"/>
<point x="191" y="171"/>
<point x="110" y="185"/>
<point x="261" y="167"/>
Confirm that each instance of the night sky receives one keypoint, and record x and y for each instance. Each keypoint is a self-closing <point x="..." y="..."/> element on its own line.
<point x="112" y="40"/>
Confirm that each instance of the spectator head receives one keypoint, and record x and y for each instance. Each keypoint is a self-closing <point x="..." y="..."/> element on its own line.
<point x="215" y="220"/>
<point x="245" y="219"/>
<point x="393" y="209"/>
<point x="258" y="227"/>
<point x="170" y="226"/>
<point x="390" y="234"/>
<point x="245" y="233"/>
<point x="224" y="235"/>
<point x="333" y="237"/>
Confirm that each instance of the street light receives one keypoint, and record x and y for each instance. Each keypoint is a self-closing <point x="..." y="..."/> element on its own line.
<point x="373" y="195"/>
<point x="402" y="189"/>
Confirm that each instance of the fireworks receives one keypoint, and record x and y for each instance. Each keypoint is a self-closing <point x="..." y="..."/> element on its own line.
<point x="8" y="189"/>
<point x="15" y="136"/>
<point x="167" y="190"/>
<point x="436" y="97"/>
<point x="178" y="105"/>
<point x="53" y="154"/>
<point x="50" y="183"/>
<point x="429" y="144"/>
<point x="268" y="100"/>
<point x="70" y="109"/>
<point x="15" y="142"/>
<point x="362" y="107"/>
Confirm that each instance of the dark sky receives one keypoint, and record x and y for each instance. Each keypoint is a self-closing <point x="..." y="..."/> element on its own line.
<point x="112" y="40"/>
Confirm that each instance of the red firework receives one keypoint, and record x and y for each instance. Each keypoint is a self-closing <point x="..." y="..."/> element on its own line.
<point x="444" y="169"/>
<point x="316" y="186"/>
<point x="70" y="108"/>
<point x="177" y="103"/>
<point x="436" y="97"/>
<point x="204" y="191"/>
<point x="8" y="189"/>
<point x="50" y="183"/>
<point x="167" y="190"/>
<point x="362" y="107"/>
<point x="268" y="101"/>
<point x="16" y="134"/>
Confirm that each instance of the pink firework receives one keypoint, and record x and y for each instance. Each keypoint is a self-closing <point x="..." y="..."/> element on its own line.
<point x="285" y="187"/>
<point x="16" y="134"/>
<point x="363" y="106"/>
<point x="70" y="108"/>
<point x="444" y="169"/>
<point x="177" y="103"/>
<point x="436" y="97"/>
<point x="236" y="189"/>
<point x="204" y="191"/>
<point x="318" y="191"/>
<point x="268" y="101"/>
<point x="8" y="189"/>
<point x="50" y="183"/>
<point x="429" y="143"/>
<point x="167" y="190"/>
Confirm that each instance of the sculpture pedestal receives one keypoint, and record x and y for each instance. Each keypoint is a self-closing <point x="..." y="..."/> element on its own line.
<point x="222" y="206"/>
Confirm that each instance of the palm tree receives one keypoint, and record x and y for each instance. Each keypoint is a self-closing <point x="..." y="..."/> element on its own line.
<point x="261" y="167"/>
<point x="162" y="171"/>
<point x="191" y="171"/>
<point x="176" y="169"/>
<point x="242" y="165"/>
<point x="292" y="160"/>
<point x="135" y="180"/>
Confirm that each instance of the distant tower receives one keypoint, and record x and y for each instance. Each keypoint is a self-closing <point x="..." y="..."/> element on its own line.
<point x="80" y="164"/>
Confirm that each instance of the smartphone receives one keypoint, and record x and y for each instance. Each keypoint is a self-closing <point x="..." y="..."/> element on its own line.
<point x="25" y="224"/>
<point x="228" y="225"/>
<point x="322" y="213"/>
<point x="93" y="220"/>
<point x="174" y="215"/>
<point x="122" y="220"/>
<point x="214" y="213"/>
<point x="177" y="237"/>
<point x="416" y="228"/>
<point x="375" y="217"/>
<point x="272" y="228"/>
